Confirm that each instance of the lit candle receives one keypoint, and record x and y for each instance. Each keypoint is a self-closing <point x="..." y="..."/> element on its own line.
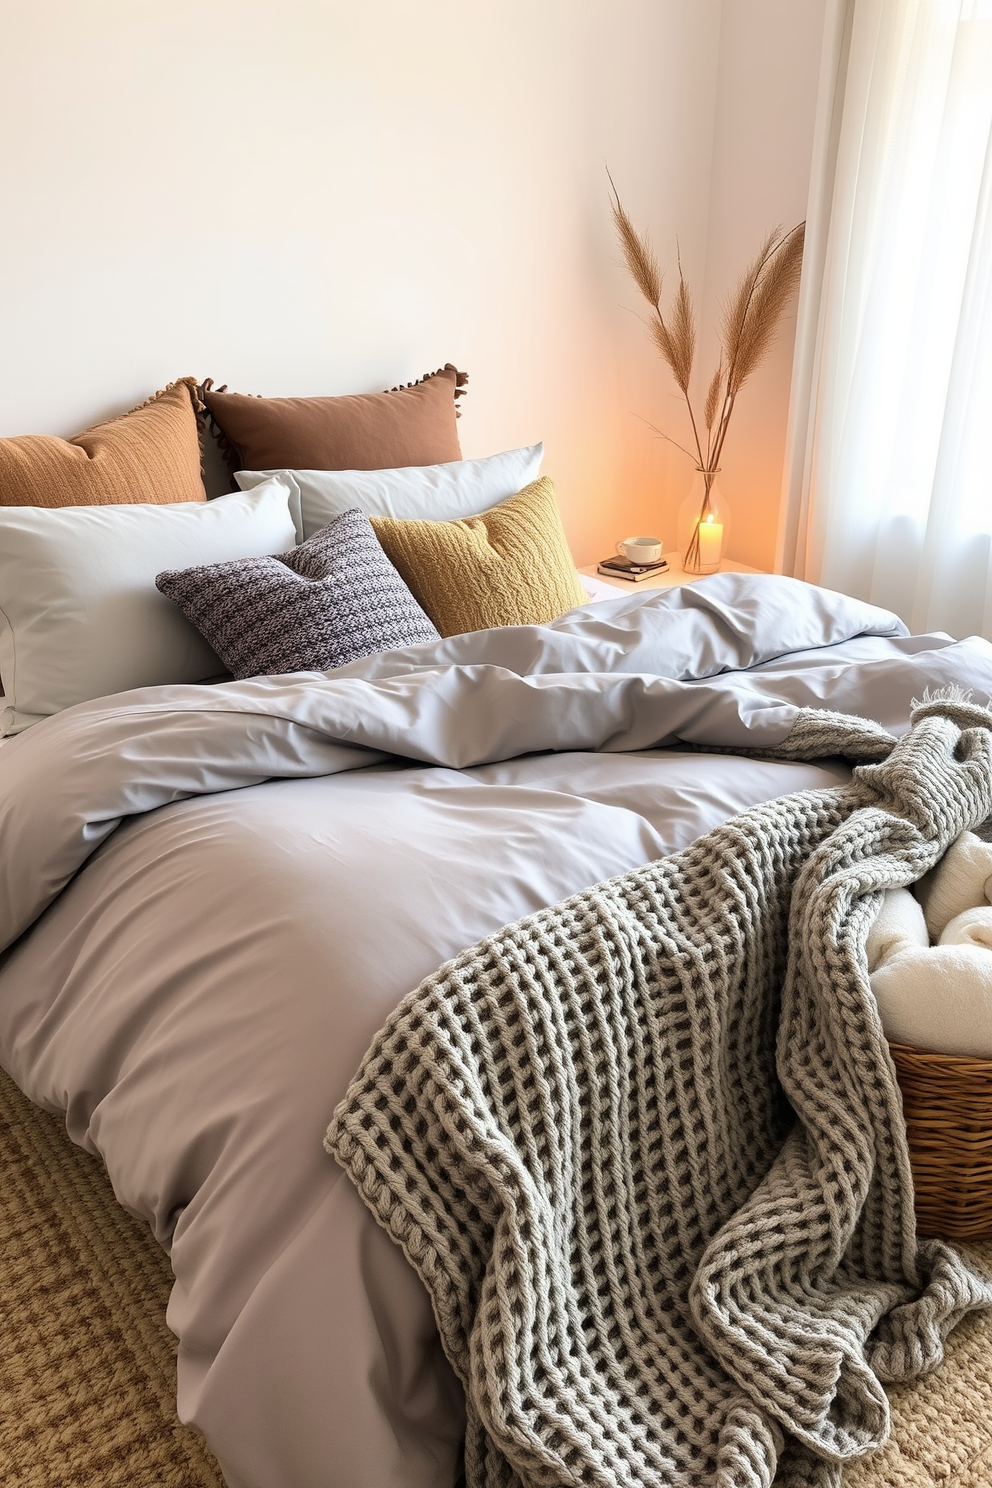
<point x="710" y="544"/>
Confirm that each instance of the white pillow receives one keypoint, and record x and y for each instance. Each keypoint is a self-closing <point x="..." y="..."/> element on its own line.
<point x="441" y="493"/>
<point x="77" y="592"/>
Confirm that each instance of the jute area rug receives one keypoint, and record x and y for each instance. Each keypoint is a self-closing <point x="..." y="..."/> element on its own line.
<point x="942" y="1426"/>
<point x="88" y="1366"/>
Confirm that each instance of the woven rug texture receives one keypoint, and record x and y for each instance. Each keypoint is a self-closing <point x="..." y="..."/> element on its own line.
<point x="942" y="1425"/>
<point x="87" y="1364"/>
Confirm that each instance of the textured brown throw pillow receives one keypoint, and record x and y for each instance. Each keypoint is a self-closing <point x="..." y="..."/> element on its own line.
<point x="150" y="455"/>
<point x="412" y="425"/>
<point x="509" y="566"/>
<point x="331" y="600"/>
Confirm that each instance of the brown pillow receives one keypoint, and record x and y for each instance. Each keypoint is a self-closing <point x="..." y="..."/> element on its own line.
<point x="509" y="566"/>
<point x="150" y="455"/>
<point x="413" y="425"/>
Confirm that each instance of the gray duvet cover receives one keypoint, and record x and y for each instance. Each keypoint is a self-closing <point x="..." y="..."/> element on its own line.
<point x="213" y="897"/>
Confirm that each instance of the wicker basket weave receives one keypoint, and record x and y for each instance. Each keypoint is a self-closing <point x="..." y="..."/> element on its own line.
<point x="947" y="1101"/>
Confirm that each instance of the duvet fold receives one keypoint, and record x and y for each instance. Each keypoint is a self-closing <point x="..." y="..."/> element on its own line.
<point x="677" y="667"/>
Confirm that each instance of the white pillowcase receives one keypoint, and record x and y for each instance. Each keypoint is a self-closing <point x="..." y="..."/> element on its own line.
<point x="440" y="493"/>
<point x="77" y="591"/>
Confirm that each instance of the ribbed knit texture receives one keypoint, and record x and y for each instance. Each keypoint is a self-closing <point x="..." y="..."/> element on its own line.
<point x="509" y="566"/>
<point x="645" y="1147"/>
<point x="87" y="1363"/>
<point x="151" y="454"/>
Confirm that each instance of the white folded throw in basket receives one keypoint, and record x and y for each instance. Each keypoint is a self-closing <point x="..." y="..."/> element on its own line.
<point x="938" y="996"/>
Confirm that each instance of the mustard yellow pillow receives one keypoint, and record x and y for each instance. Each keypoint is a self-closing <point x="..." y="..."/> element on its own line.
<point x="509" y="566"/>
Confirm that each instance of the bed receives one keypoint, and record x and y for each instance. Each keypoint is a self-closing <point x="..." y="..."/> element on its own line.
<point x="213" y="896"/>
<point x="214" y="893"/>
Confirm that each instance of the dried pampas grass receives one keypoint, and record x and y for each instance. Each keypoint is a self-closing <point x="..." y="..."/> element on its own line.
<point x="748" y="325"/>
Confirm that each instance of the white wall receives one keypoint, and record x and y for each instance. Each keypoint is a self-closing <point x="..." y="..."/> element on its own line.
<point x="323" y="196"/>
<point x="766" y="100"/>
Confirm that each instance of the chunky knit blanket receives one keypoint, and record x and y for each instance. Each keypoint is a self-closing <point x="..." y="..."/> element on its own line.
<point x="645" y="1148"/>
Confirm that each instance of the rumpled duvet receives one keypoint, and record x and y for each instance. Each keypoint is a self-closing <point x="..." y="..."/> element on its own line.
<point x="213" y="897"/>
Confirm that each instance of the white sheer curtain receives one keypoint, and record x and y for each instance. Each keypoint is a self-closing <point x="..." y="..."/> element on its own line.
<point x="889" y="478"/>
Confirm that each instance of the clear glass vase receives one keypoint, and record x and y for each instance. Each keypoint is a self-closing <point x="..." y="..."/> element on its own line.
<point x="704" y="525"/>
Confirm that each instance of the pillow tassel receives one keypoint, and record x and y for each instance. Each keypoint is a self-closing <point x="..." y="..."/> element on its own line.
<point x="190" y="383"/>
<point x="461" y="383"/>
<point x="209" y="425"/>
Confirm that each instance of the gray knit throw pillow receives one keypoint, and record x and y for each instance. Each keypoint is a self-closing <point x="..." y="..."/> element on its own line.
<point x="331" y="600"/>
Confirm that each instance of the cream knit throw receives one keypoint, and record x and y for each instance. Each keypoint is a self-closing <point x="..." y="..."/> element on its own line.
<point x="645" y="1147"/>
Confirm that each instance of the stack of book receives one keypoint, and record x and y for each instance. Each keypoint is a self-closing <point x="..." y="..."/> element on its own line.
<point x="634" y="573"/>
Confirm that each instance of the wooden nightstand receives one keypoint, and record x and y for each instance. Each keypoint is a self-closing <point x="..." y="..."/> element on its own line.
<point x="670" y="579"/>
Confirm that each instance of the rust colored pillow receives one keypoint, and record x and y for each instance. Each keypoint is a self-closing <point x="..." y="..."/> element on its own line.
<point x="412" y="425"/>
<point x="150" y="455"/>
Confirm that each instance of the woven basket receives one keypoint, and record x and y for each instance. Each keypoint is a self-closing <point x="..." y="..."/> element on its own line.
<point x="947" y="1101"/>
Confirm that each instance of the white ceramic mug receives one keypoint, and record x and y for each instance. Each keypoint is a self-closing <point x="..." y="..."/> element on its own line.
<point x="640" y="549"/>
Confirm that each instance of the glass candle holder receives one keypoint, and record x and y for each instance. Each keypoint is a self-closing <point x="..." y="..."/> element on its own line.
<point x="704" y="520"/>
